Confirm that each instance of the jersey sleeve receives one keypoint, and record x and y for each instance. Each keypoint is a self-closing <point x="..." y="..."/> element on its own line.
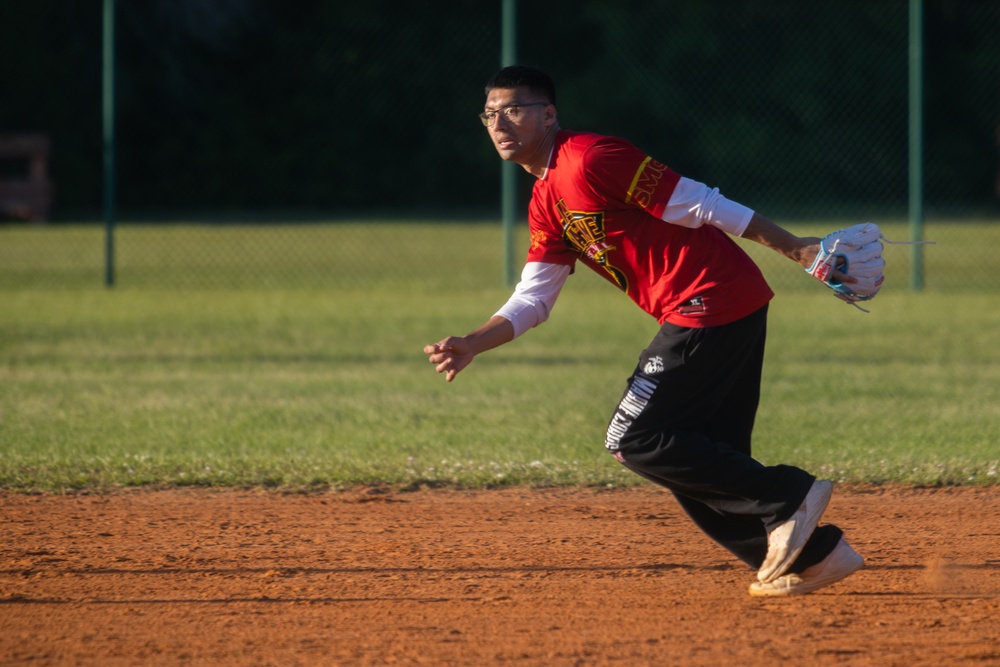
<point x="620" y="171"/>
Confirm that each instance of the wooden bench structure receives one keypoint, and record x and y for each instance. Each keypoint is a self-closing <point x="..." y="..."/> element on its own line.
<point x="28" y="198"/>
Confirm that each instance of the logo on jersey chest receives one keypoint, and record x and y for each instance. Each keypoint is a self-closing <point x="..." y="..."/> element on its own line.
<point x="538" y="238"/>
<point x="584" y="232"/>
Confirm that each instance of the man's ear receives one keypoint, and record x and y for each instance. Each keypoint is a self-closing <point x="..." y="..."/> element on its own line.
<point x="550" y="114"/>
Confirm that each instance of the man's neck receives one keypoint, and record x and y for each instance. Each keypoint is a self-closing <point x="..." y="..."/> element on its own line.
<point x="540" y="164"/>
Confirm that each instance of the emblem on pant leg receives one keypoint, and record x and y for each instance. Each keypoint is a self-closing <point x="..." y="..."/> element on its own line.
<point x="653" y="366"/>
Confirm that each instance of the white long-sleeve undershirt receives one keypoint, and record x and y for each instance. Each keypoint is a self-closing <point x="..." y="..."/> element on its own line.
<point x="535" y="295"/>
<point x="691" y="205"/>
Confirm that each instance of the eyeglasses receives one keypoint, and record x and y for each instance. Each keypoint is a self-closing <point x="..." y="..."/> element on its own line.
<point x="511" y="112"/>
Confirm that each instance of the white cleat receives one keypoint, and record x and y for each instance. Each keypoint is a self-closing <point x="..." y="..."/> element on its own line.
<point x="842" y="562"/>
<point x="786" y="540"/>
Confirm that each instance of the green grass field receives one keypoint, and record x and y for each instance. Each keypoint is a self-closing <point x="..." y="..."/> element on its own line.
<point x="294" y="362"/>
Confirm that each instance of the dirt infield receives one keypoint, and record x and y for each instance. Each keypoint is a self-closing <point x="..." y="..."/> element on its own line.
<point x="513" y="577"/>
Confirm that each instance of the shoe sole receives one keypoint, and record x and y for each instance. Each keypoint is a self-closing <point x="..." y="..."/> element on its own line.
<point x="800" y="533"/>
<point x="808" y="585"/>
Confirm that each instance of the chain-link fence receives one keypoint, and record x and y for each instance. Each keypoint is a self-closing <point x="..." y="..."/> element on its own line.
<point x="313" y="143"/>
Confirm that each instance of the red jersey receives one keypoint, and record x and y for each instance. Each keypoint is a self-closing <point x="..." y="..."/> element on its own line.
<point x="601" y="202"/>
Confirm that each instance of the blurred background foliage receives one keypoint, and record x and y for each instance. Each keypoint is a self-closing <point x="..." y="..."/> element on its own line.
<point x="259" y="115"/>
<point x="232" y="108"/>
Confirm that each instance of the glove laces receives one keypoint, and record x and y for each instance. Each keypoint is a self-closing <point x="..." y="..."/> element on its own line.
<point x="883" y="237"/>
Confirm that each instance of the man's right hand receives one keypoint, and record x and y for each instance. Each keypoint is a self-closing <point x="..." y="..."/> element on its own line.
<point x="454" y="353"/>
<point x="450" y="356"/>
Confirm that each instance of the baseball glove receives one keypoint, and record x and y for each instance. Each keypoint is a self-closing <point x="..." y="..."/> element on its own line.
<point x="857" y="252"/>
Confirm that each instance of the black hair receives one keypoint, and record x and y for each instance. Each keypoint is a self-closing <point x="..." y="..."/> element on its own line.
<point x="516" y="76"/>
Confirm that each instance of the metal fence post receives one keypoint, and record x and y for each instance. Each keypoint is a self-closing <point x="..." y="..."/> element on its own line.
<point x="508" y="174"/>
<point x="108" y="113"/>
<point x="916" y="130"/>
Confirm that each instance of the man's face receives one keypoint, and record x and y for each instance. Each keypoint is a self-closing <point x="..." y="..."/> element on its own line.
<point x="519" y="123"/>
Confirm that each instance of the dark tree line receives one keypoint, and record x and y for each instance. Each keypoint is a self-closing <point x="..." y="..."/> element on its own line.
<point x="331" y="108"/>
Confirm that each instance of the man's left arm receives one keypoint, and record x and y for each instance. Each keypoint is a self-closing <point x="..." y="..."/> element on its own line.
<point x="693" y="204"/>
<point x="770" y="235"/>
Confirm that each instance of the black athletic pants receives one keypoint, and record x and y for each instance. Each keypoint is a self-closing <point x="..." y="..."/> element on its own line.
<point x="685" y="422"/>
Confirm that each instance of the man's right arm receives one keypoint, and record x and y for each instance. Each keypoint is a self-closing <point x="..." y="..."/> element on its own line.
<point x="451" y="355"/>
<point x="535" y="296"/>
<point x="528" y="306"/>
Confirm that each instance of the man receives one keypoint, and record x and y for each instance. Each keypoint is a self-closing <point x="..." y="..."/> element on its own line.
<point x="686" y="416"/>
